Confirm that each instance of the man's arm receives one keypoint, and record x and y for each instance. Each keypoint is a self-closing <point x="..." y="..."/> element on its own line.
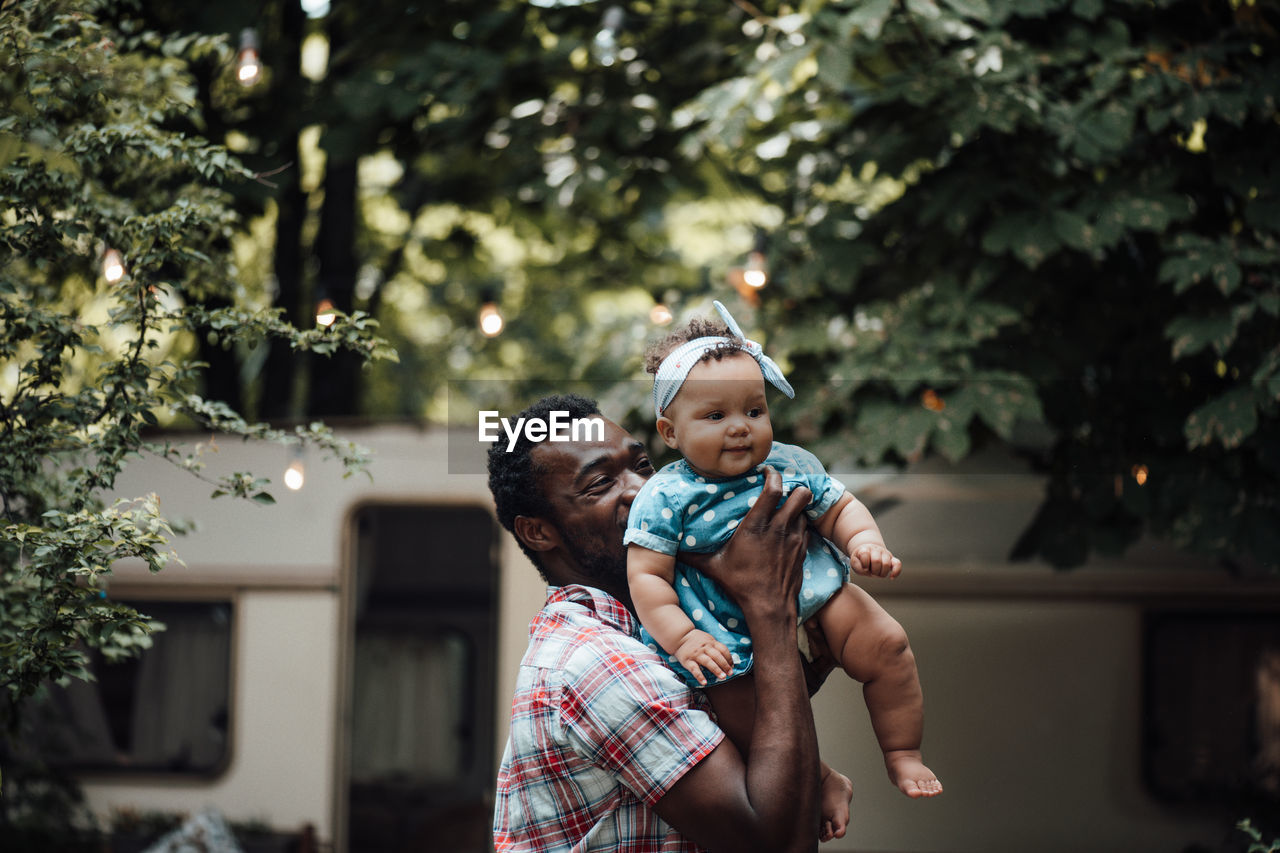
<point x="767" y="799"/>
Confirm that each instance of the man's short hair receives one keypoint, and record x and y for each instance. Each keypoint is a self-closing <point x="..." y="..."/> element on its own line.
<point x="514" y="477"/>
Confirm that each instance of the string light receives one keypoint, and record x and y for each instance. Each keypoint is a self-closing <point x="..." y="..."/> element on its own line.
<point x="112" y="266"/>
<point x="296" y="474"/>
<point x="248" y="63"/>
<point x="756" y="272"/>
<point x="931" y="401"/>
<point x="326" y="314"/>
<point x="1140" y="474"/>
<point x="660" y="315"/>
<point x="490" y="319"/>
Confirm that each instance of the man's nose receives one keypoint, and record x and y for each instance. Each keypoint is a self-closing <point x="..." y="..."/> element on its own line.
<point x="631" y="484"/>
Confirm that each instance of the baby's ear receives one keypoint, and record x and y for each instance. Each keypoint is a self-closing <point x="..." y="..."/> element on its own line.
<point x="667" y="429"/>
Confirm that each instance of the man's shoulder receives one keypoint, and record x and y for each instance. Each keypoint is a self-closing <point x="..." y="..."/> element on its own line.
<point x="590" y="655"/>
<point x="568" y="630"/>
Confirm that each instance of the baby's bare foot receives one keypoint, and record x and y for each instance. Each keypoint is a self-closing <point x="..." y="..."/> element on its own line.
<point x="837" y="792"/>
<point x="907" y="771"/>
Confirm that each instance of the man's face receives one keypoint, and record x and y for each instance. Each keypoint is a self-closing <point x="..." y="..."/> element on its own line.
<point x="590" y="486"/>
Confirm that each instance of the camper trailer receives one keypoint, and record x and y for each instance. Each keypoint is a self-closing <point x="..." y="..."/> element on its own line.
<point x="339" y="665"/>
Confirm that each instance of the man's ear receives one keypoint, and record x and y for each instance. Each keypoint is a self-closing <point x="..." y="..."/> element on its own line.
<point x="667" y="429"/>
<point x="537" y="533"/>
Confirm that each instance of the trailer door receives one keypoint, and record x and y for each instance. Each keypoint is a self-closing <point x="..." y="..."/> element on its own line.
<point x="422" y="605"/>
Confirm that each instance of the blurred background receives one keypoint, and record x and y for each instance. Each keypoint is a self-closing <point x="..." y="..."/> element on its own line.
<point x="1018" y="257"/>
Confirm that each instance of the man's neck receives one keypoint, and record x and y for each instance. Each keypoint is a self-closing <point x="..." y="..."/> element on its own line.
<point x="565" y="578"/>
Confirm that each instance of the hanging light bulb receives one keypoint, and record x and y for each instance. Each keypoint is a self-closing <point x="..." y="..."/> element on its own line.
<point x="296" y="474"/>
<point x="756" y="272"/>
<point x="605" y="44"/>
<point x="660" y="314"/>
<point x="326" y="314"/>
<point x="112" y="266"/>
<point x="248" y="64"/>
<point x="491" y="321"/>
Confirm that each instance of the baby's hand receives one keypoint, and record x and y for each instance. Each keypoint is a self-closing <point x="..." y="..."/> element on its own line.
<point x="699" y="649"/>
<point x="874" y="561"/>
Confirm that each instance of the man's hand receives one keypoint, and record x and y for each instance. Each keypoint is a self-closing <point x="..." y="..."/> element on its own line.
<point x="760" y="566"/>
<point x="698" y="651"/>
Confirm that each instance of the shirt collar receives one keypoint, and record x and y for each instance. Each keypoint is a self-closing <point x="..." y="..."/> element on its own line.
<point x="608" y="609"/>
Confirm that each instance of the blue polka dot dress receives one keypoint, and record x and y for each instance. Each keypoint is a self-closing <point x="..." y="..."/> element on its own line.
<point x="680" y="510"/>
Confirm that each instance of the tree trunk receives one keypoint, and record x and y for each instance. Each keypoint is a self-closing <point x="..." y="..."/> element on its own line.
<point x="334" y="380"/>
<point x="280" y="372"/>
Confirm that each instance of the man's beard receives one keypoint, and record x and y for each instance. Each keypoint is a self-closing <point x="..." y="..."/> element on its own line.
<point x="597" y="560"/>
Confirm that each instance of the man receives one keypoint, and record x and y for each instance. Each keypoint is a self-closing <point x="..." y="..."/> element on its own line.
<point x="609" y="750"/>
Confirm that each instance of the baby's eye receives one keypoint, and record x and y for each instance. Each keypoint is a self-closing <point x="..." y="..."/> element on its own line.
<point x="715" y="416"/>
<point x="755" y="413"/>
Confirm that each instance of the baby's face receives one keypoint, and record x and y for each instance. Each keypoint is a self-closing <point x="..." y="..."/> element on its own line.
<point x="719" y="419"/>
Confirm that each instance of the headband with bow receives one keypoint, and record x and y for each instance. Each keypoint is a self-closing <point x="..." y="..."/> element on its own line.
<point x="676" y="366"/>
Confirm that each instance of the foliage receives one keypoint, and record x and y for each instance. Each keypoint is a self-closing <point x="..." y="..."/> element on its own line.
<point x="1256" y="842"/>
<point x="497" y="154"/>
<point x="89" y="163"/>
<point x="1012" y="212"/>
<point x="1045" y="223"/>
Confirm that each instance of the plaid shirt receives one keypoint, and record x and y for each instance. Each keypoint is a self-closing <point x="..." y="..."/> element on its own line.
<point x="600" y="731"/>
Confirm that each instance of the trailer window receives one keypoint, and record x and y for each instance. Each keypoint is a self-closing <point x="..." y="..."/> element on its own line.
<point x="1213" y="707"/>
<point x="165" y="711"/>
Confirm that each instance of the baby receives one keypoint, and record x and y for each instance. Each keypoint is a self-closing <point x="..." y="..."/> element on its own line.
<point x="709" y="398"/>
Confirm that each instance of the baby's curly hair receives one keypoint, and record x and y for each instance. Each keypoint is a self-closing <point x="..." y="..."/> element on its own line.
<point x="654" y="355"/>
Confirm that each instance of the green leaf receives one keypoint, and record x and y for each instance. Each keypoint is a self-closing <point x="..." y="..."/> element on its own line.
<point x="264" y="498"/>
<point x="868" y="18"/>
<point x="1074" y="229"/>
<point x="1191" y="334"/>
<point x="1103" y="132"/>
<point x="926" y="9"/>
<point x="1229" y="419"/>
<point x="835" y="66"/>
<point x="979" y="9"/>
<point x="951" y="438"/>
<point x="1087" y="9"/>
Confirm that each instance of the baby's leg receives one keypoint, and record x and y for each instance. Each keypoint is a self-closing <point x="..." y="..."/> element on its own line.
<point x="872" y="648"/>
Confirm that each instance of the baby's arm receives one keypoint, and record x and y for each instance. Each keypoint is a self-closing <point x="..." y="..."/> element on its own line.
<point x="651" y="576"/>
<point x="849" y="523"/>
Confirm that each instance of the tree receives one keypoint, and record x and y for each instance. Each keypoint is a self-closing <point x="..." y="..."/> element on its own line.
<point x="504" y="154"/>
<point x="1061" y="214"/>
<point x="115" y="241"/>
<point x="1046" y="223"/>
